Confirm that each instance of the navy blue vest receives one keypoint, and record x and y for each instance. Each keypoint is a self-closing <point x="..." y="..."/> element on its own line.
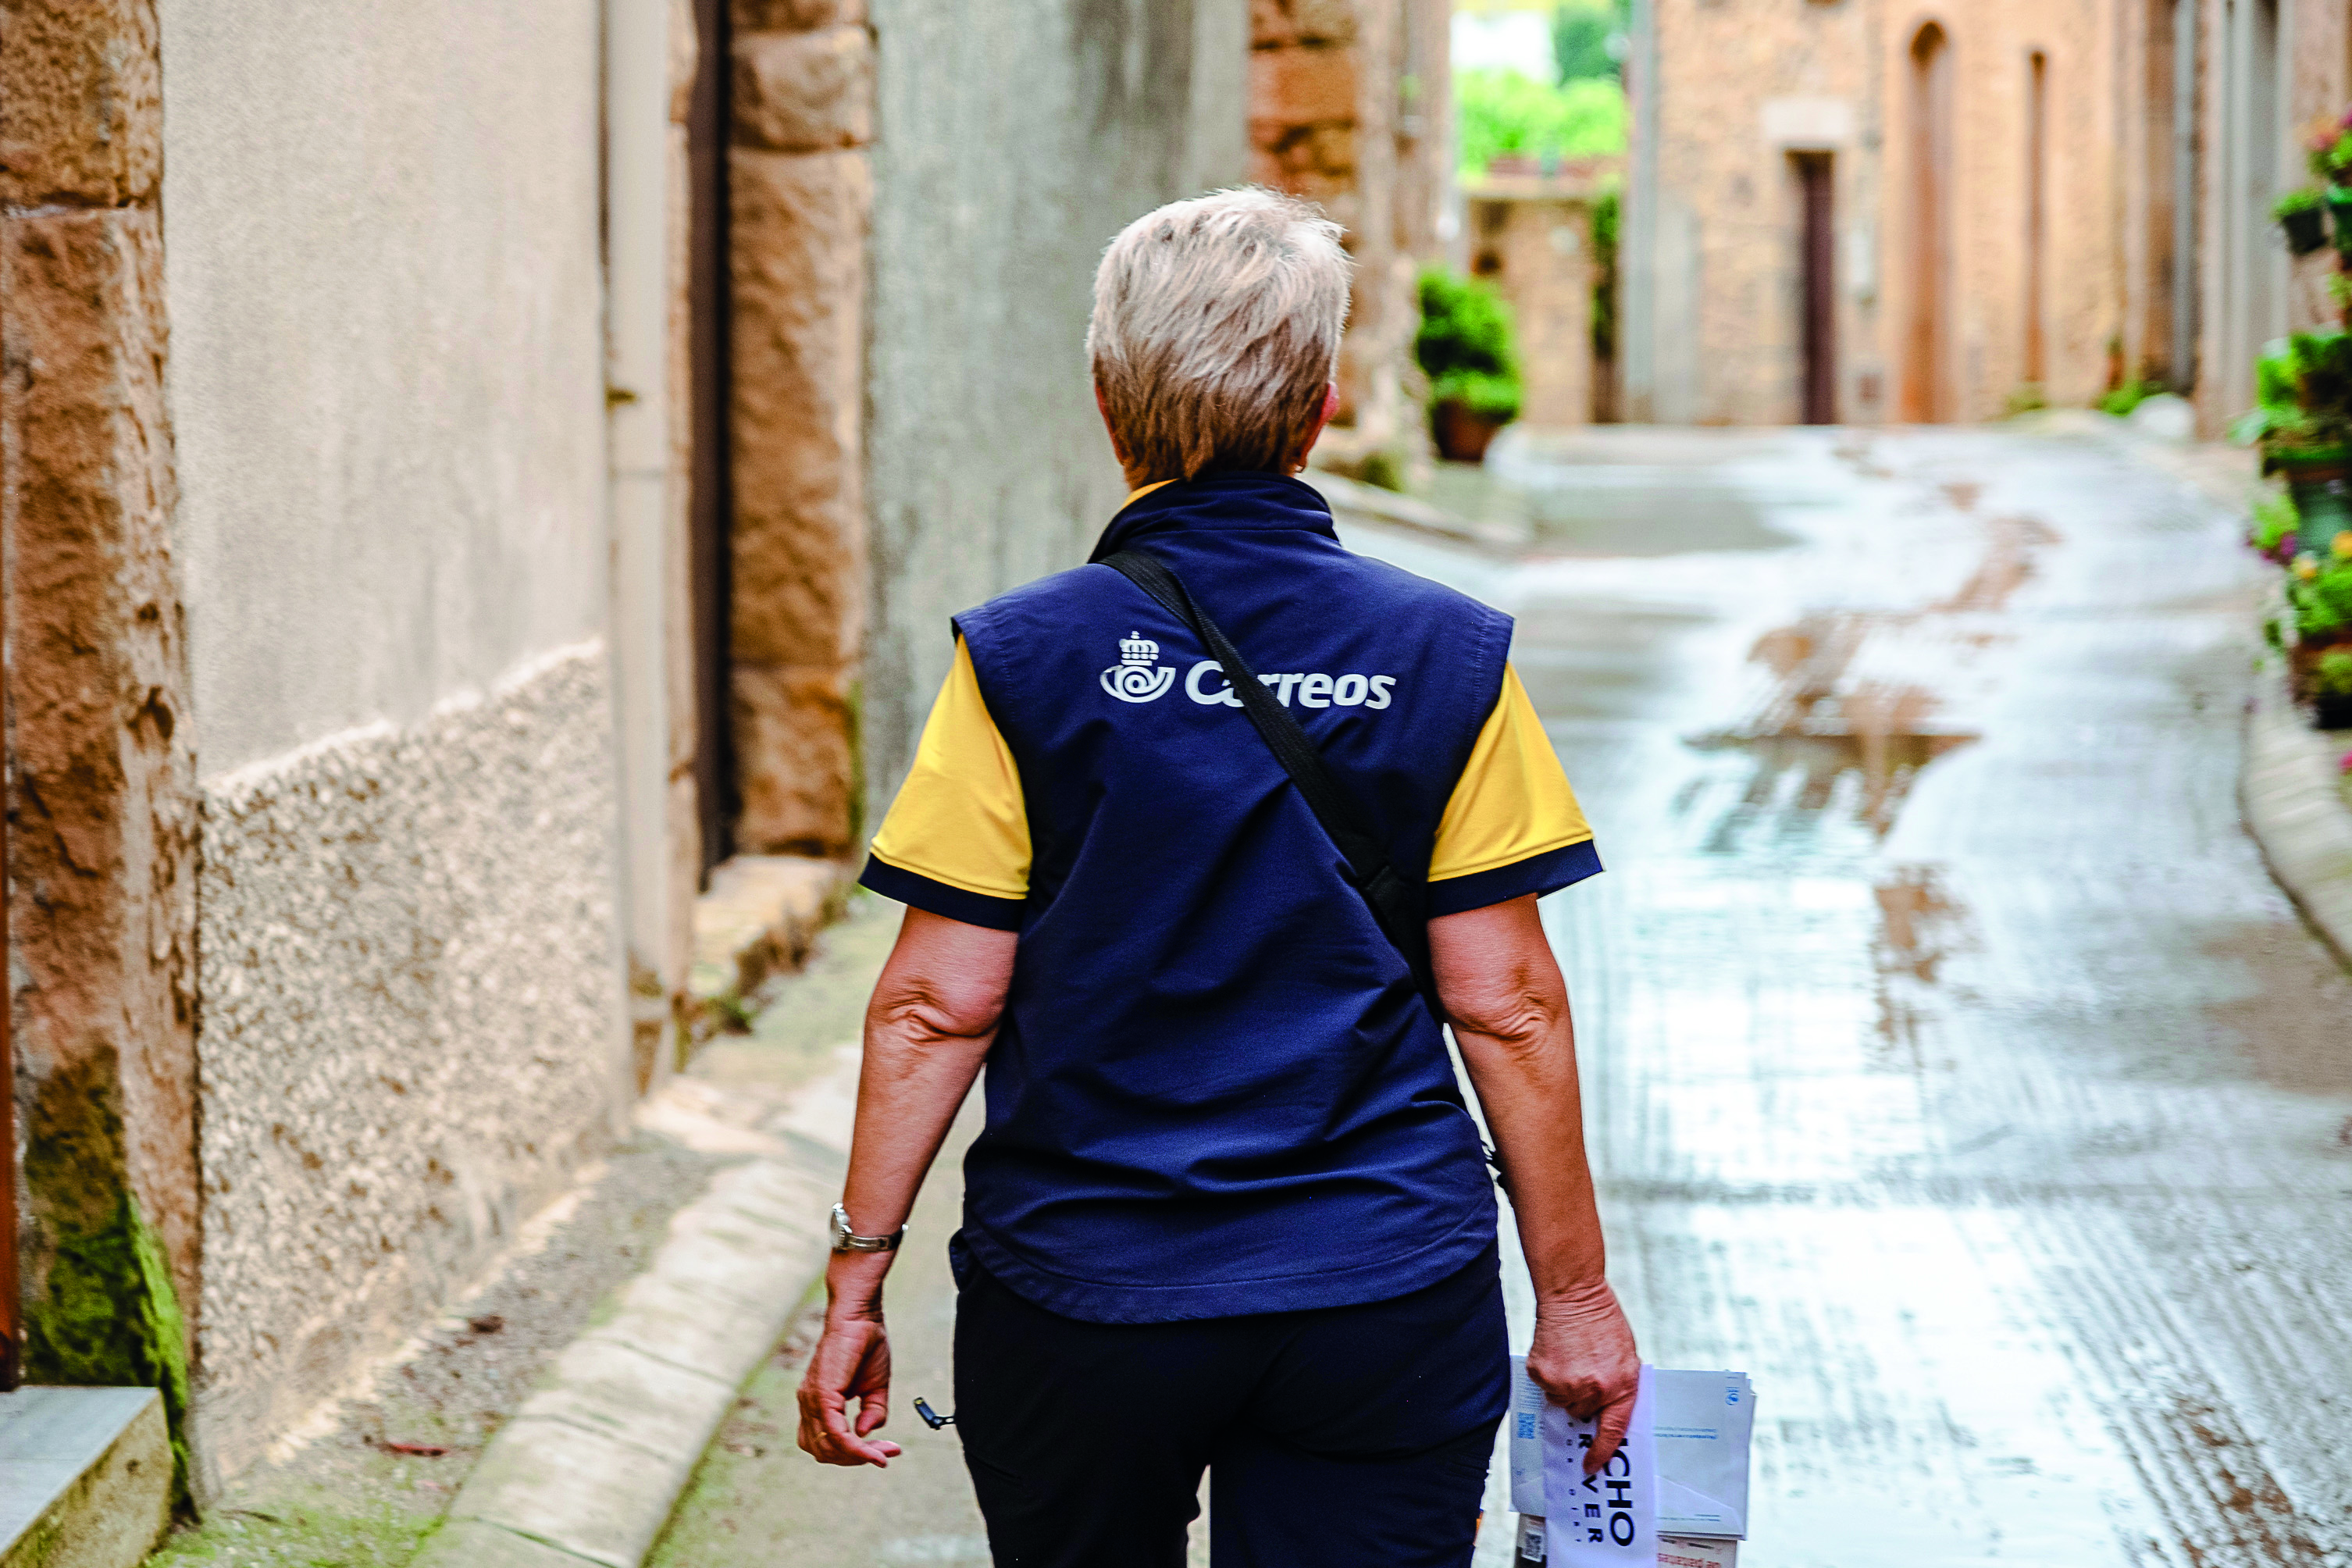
<point x="1216" y="1091"/>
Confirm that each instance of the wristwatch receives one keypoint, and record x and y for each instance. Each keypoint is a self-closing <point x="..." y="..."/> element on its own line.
<point x="846" y="1241"/>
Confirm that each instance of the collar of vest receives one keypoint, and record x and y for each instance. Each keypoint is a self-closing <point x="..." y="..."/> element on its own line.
<point x="1230" y="501"/>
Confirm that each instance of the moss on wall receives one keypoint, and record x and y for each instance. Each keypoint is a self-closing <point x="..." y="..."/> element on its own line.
<point x="100" y="1310"/>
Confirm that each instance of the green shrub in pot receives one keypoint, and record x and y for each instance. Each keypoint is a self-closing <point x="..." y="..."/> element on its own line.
<point x="1464" y="346"/>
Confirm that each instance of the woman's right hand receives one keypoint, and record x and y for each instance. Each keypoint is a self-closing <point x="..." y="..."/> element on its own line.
<point x="1583" y="1357"/>
<point x="851" y="1361"/>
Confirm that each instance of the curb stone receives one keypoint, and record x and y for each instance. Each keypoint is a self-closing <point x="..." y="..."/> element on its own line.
<point x="758" y="921"/>
<point x="2296" y="811"/>
<point x="2287" y="785"/>
<point x="1353" y="502"/>
<point x="590" y="1467"/>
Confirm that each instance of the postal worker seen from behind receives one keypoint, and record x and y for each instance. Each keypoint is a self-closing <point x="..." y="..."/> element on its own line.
<point x="1203" y="843"/>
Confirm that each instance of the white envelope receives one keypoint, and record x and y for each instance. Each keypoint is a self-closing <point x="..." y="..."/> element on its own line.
<point x="1704" y="1422"/>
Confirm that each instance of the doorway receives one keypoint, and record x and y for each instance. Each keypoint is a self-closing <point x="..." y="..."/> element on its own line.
<point x="1926" y="395"/>
<point x="2037" y="217"/>
<point x="711" y="506"/>
<point x="1817" y="270"/>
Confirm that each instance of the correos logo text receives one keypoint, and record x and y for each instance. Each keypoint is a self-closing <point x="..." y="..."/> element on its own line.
<point x="1205" y="684"/>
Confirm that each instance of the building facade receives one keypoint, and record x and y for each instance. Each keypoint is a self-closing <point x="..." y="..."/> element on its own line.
<point x="1853" y="211"/>
<point x="1531" y="235"/>
<point x="464" y="473"/>
<point x="1350" y="105"/>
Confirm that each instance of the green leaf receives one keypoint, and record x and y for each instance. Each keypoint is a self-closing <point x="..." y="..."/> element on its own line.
<point x="1498" y="112"/>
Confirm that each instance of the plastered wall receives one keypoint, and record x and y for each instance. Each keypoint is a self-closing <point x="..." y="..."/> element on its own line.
<point x="1012" y="142"/>
<point x="386" y="375"/>
<point x="386" y="354"/>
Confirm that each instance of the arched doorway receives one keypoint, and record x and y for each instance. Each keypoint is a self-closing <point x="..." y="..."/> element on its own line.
<point x="1927" y="261"/>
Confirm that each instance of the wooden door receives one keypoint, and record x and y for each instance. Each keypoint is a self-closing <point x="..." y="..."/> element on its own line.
<point x="1817" y="186"/>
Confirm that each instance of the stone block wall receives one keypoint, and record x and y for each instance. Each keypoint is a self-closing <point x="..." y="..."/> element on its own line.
<point x="1538" y="252"/>
<point x="1347" y="109"/>
<point x="1740" y="86"/>
<point x="800" y="195"/>
<point x="2248" y="151"/>
<point x="102" y="862"/>
<point x="1739" y="92"/>
<point x="1304" y="74"/>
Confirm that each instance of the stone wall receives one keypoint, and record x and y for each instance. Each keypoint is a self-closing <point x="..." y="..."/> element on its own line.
<point x="101" y="851"/>
<point x="1348" y="106"/>
<point x="1739" y="93"/>
<point x="1739" y="88"/>
<point x="1535" y="243"/>
<point x="409" y="1005"/>
<point x="800" y="189"/>
<point x="1013" y="141"/>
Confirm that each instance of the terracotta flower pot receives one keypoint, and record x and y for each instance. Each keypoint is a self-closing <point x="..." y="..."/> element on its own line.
<point x="1463" y="436"/>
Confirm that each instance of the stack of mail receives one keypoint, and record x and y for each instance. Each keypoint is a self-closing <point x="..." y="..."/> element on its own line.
<point x="1678" y="1498"/>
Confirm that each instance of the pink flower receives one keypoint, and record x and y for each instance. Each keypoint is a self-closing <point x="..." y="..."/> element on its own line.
<point x="2347" y="765"/>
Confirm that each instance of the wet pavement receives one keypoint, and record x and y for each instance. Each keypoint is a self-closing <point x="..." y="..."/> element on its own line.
<point x="1954" y="1066"/>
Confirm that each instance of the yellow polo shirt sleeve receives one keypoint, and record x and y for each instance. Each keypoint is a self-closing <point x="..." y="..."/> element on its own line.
<point x="956" y="841"/>
<point x="1512" y="826"/>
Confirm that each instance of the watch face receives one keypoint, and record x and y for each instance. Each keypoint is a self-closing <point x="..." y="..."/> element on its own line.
<point x="840" y="1227"/>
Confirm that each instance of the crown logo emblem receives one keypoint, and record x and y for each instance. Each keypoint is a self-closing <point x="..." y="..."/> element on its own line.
<point x="1138" y="676"/>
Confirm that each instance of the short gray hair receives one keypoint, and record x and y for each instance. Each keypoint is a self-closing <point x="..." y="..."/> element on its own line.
<point x="1217" y="328"/>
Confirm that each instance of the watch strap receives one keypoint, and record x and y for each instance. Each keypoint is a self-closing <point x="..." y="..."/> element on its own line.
<point x="844" y="1239"/>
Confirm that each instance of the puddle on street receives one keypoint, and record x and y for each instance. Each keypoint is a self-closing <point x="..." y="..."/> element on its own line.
<point x="1798" y="779"/>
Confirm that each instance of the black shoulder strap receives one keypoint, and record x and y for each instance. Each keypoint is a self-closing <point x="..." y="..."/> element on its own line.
<point x="1399" y="905"/>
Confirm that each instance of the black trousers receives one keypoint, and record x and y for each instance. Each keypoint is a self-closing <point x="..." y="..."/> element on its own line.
<point x="1348" y="1438"/>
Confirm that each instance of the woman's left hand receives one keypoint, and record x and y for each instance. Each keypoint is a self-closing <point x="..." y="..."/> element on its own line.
<point x="1584" y="1358"/>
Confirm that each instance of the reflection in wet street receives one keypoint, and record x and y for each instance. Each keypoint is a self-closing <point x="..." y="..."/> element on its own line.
<point x="1953" y="1065"/>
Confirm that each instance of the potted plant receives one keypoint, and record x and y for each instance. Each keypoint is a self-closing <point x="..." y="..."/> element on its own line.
<point x="2331" y="688"/>
<point x="2274" y="531"/>
<point x="2319" y="597"/>
<point x="2302" y="422"/>
<point x="1464" y="346"/>
<point x="2329" y="151"/>
<point x="2304" y="216"/>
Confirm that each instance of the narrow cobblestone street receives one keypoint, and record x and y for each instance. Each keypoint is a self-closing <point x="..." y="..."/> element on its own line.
<point x="1953" y="1065"/>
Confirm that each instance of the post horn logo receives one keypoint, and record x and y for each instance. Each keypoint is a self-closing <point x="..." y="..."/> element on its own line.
<point x="1138" y="676"/>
